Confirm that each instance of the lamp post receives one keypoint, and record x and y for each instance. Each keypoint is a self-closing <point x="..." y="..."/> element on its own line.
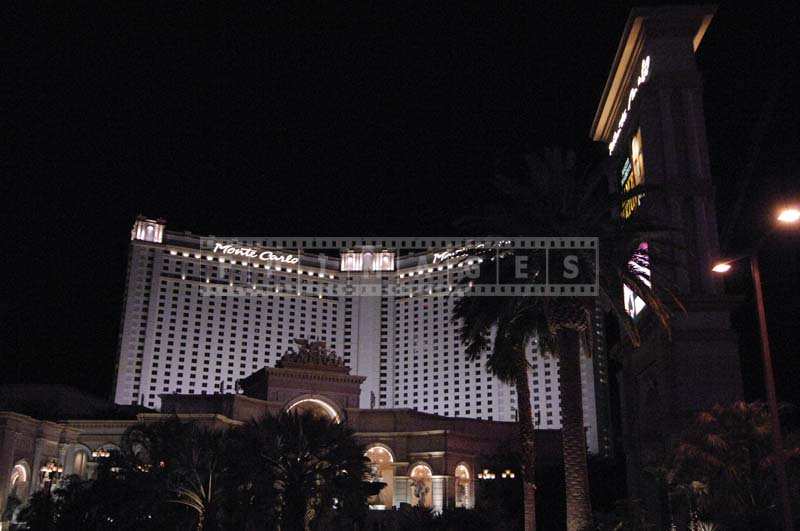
<point x="50" y="473"/>
<point x="786" y="216"/>
<point x="488" y="474"/>
<point x="100" y="453"/>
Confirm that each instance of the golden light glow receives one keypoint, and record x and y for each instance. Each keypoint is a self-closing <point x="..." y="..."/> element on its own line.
<point x="486" y="474"/>
<point x="789" y="215"/>
<point x="421" y="472"/>
<point x="634" y="176"/>
<point x="327" y="408"/>
<point x="19" y="474"/>
<point x="721" y="267"/>
<point x="379" y="455"/>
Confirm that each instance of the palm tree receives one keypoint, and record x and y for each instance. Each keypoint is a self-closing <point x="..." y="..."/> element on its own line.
<point x="723" y="466"/>
<point x="555" y="197"/>
<point x="198" y="472"/>
<point x="310" y="468"/>
<point x="516" y="322"/>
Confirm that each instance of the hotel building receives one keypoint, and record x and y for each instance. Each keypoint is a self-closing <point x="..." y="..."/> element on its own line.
<point x="201" y="313"/>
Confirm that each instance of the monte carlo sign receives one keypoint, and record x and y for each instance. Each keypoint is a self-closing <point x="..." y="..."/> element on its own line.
<point x="255" y="254"/>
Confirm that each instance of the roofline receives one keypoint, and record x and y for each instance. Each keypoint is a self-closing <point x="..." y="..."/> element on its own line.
<point x="626" y="47"/>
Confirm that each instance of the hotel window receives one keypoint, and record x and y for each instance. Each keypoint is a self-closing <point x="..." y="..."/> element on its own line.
<point x="633" y="175"/>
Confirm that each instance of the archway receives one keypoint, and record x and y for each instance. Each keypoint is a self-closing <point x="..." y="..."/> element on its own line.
<point x="18" y="489"/>
<point x="76" y="460"/>
<point x="381" y="464"/>
<point x="104" y="454"/>
<point x="421" y="478"/>
<point x="19" y="482"/>
<point x="463" y="486"/>
<point x="316" y="405"/>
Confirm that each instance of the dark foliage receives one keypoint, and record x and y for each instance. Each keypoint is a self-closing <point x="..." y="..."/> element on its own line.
<point x="296" y="471"/>
<point x="723" y="469"/>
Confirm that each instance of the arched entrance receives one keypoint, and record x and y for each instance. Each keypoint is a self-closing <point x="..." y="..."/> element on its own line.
<point x="381" y="464"/>
<point x="76" y="461"/>
<point x="316" y="405"/>
<point x="421" y="478"/>
<point x="463" y="487"/>
<point x="19" y="481"/>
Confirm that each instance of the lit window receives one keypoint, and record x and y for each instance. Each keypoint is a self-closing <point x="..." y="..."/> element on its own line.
<point x="351" y="261"/>
<point x="633" y="175"/>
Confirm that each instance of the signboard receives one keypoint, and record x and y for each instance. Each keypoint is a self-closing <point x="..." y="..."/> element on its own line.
<point x="644" y="73"/>
<point x="254" y="253"/>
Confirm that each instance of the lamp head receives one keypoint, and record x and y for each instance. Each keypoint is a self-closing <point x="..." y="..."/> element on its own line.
<point x="721" y="267"/>
<point x="789" y="215"/>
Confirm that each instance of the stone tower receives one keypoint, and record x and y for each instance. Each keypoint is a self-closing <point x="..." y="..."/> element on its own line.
<point x="651" y="116"/>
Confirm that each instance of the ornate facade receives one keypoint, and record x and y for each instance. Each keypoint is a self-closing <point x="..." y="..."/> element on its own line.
<point x="424" y="459"/>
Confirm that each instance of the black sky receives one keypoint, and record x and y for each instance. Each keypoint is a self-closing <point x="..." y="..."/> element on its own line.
<point x="384" y="118"/>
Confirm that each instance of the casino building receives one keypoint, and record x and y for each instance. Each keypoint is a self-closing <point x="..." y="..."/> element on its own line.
<point x="208" y="322"/>
<point x="203" y="312"/>
<point x="424" y="459"/>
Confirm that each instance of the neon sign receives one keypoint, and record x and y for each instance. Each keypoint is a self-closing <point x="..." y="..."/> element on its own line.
<point x="249" y="252"/>
<point x="644" y="73"/>
<point x="447" y="255"/>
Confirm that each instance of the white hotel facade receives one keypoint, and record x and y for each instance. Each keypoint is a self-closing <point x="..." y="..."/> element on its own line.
<point x="201" y="313"/>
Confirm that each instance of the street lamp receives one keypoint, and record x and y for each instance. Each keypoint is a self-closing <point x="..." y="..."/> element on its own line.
<point x="50" y="473"/>
<point x="721" y="267"/>
<point x="486" y="474"/>
<point x="100" y="453"/>
<point x="788" y="215"/>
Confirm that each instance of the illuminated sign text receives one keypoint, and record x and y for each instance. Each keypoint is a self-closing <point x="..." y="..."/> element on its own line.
<point x="249" y="252"/>
<point x="644" y="73"/>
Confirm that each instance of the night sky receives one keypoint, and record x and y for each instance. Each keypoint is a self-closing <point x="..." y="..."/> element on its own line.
<point x="337" y="120"/>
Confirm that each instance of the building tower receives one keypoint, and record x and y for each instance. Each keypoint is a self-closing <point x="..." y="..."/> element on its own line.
<point x="651" y="116"/>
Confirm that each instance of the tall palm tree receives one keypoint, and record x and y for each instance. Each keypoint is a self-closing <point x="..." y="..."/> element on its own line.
<point x="556" y="197"/>
<point x="515" y="322"/>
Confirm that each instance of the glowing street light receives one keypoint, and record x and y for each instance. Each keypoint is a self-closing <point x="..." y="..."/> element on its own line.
<point x="100" y="453"/>
<point x="721" y="267"/>
<point x="486" y="474"/>
<point x="789" y="215"/>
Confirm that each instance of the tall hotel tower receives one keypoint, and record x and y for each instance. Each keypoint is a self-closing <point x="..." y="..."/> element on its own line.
<point x="201" y="313"/>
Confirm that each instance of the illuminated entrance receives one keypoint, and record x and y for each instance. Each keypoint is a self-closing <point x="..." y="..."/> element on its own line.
<point x="463" y="487"/>
<point x="381" y="465"/>
<point x="421" y="486"/>
<point x="319" y="407"/>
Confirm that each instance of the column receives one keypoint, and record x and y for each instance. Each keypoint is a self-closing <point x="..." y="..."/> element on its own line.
<point x="401" y="490"/>
<point x="438" y="491"/>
